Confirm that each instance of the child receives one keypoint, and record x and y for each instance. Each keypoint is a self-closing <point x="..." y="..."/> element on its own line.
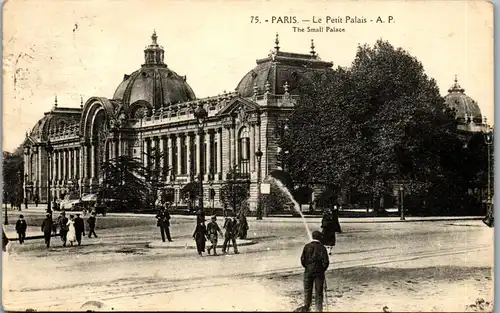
<point x="212" y="230"/>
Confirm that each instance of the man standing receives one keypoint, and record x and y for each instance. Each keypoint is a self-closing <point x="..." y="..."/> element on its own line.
<point x="213" y="230"/>
<point x="231" y="226"/>
<point x="47" y="229"/>
<point x="91" y="221"/>
<point x="62" y="222"/>
<point x="26" y="203"/>
<point x="160" y="222"/>
<point x="315" y="261"/>
<point x="36" y="200"/>
<point x="79" y="229"/>
<point x="21" y="228"/>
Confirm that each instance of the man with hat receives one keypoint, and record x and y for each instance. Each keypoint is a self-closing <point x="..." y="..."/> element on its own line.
<point x="213" y="230"/>
<point x="62" y="221"/>
<point x="47" y="229"/>
<point x="79" y="228"/>
<point x="315" y="261"/>
<point x="231" y="226"/>
<point x="21" y="228"/>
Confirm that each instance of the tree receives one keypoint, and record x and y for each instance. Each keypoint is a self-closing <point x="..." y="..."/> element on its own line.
<point x="380" y="122"/>
<point x="277" y="200"/>
<point x="13" y="173"/>
<point x="234" y="193"/>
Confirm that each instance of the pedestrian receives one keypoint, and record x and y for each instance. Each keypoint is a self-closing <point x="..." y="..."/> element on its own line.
<point x="243" y="226"/>
<point x="26" y="203"/>
<point x="200" y="236"/>
<point x="5" y="241"/>
<point x="47" y="229"/>
<point x="200" y="216"/>
<point x="21" y="228"/>
<point x="62" y="223"/>
<point x="213" y="230"/>
<point x="161" y="222"/>
<point x="91" y="222"/>
<point x="36" y="200"/>
<point x="71" y="236"/>
<point x="231" y="227"/>
<point x="79" y="228"/>
<point x="330" y="225"/>
<point x="315" y="261"/>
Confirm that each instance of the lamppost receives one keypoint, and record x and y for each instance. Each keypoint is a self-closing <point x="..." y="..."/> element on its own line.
<point x="488" y="138"/>
<point x="401" y="194"/>
<point x="49" y="149"/>
<point x="258" y="154"/>
<point x="201" y="115"/>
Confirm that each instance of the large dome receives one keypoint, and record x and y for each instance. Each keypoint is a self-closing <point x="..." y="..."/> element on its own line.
<point x="464" y="105"/>
<point x="154" y="82"/>
<point x="280" y="68"/>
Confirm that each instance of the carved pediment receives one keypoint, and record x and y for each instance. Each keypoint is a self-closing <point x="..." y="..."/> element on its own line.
<point x="240" y="108"/>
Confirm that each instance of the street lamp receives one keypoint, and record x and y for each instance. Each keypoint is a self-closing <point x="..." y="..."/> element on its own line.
<point x="201" y="115"/>
<point x="258" y="154"/>
<point x="49" y="149"/>
<point x="401" y="194"/>
<point x="488" y="138"/>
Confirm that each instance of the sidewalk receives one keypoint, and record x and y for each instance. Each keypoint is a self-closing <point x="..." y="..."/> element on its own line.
<point x="280" y="219"/>
<point x="33" y="232"/>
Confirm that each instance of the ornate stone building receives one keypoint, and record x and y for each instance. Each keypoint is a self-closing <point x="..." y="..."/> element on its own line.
<point x="152" y="108"/>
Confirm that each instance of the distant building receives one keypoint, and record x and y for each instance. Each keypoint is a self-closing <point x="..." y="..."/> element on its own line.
<point x="153" y="108"/>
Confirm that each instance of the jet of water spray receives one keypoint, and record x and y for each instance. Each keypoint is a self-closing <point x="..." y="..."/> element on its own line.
<point x="296" y="206"/>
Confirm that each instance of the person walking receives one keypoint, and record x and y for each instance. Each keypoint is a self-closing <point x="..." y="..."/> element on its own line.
<point x="47" y="229"/>
<point x="91" y="221"/>
<point x="330" y="225"/>
<point x="315" y="261"/>
<point x="21" y="228"/>
<point x="213" y="231"/>
<point x="231" y="227"/>
<point x="26" y="203"/>
<point x="71" y="230"/>
<point x="79" y="229"/>
<point x="63" y="227"/>
<point x="200" y="236"/>
<point x="243" y="226"/>
<point x="37" y="199"/>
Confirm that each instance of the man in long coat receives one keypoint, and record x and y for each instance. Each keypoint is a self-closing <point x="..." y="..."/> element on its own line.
<point x="163" y="221"/>
<point x="21" y="227"/>
<point x="315" y="261"/>
<point x="232" y="228"/>
<point x="47" y="229"/>
<point x="62" y="222"/>
<point x="330" y="225"/>
<point x="79" y="229"/>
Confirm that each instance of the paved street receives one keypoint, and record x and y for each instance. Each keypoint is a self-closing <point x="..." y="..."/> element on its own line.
<point x="405" y="266"/>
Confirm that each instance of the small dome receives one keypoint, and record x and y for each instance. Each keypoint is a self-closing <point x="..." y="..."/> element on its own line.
<point x="281" y="68"/>
<point x="464" y="105"/>
<point x="154" y="82"/>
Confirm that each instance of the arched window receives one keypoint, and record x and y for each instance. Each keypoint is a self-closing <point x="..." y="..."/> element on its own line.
<point x="244" y="151"/>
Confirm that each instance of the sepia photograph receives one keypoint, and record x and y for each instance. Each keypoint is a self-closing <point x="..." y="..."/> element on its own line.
<point x="248" y="156"/>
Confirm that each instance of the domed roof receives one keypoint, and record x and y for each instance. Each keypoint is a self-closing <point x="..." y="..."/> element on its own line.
<point x="154" y="82"/>
<point x="280" y="68"/>
<point x="464" y="105"/>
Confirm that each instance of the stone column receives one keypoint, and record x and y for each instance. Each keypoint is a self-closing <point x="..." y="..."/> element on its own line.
<point x="229" y="148"/>
<point x="170" y="158"/>
<point x="161" y="144"/>
<point x="154" y="153"/>
<point x="234" y="145"/>
<point x="208" y="154"/>
<point x="252" y="148"/>
<point x="178" y="139"/>
<point x="198" y="154"/>
<point x="219" y="153"/>
<point x="188" y="154"/>
<point x="144" y="152"/>
<point x="92" y="160"/>
<point x="39" y="169"/>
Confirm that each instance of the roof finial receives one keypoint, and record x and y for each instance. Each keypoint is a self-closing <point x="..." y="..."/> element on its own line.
<point x="277" y="42"/>
<point x="154" y="37"/>
<point x="456" y="79"/>
<point x="55" y="102"/>
<point x="312" y="47"/>
<point x="81" y="102"/>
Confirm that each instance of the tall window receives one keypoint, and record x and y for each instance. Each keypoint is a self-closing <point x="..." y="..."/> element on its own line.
<point x="213" y="154"/>
<point x="244" y="151"/>
<point x="174" y="156"/>
<point x="183" y="155"/>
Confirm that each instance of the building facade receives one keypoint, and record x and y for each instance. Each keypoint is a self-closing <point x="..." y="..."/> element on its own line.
<point x="153" y="110"/>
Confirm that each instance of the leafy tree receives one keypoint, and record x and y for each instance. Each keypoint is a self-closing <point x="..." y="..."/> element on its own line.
<point x="233" y="192"/>
<point x="13" y="171"/>
<point x="277" y="200"/>
<point x="379" y="122"/>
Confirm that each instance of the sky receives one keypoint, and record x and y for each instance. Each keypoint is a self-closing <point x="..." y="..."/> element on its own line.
<point x="76" y="49"/>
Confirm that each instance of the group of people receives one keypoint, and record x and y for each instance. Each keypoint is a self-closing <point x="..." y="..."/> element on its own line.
<point x="212" y="231"/>
<point x="70" y="229"/>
